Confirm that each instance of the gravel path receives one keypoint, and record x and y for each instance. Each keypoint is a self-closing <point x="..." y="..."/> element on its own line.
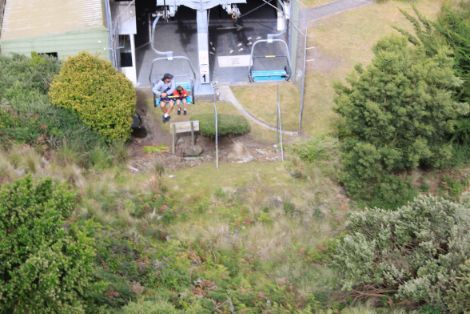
<point x="333" y="8"/>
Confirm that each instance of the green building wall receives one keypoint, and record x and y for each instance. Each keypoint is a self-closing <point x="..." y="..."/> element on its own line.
<point x="67" y="44"/>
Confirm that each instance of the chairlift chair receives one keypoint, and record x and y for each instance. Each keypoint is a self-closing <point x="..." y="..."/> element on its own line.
<point x="186" y="81"/>
<point x="271" y="75"/>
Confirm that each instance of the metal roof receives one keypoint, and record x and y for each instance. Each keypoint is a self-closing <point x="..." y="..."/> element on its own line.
<point x="34" y="18"/>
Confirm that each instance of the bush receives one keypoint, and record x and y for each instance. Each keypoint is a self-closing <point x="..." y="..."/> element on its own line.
<point x="46" y="262"/>
<point x="397" y="114"/>
<point x="26" y="116"/>
<point x="103" y="98"/>
<point x="452" y="30"/>
<point x="228" y="125"/>
<point x="417" y="254"/>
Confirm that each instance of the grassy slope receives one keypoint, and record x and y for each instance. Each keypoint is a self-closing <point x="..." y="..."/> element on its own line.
<point x="254" y="216"/>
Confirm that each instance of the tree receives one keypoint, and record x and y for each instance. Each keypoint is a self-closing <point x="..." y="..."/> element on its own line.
<point x="397" y="114"/>
<point x="103" y="97"/>
<point x="46" y="262"/>
<point x="452" y="30"/>
<point x="418" y="254"/>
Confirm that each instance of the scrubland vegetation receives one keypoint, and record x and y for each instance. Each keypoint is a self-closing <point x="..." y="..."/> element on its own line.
<point x="372" y="217"/>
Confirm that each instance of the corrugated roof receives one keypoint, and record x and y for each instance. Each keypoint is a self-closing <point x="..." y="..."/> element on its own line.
<point x="33" y="18"/>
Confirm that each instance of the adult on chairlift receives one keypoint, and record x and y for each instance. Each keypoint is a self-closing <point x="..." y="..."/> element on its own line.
<point x="164" y="90"/>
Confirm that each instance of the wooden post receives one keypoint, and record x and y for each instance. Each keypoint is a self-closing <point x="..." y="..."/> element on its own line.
<point x="173" y="144"/>
<point x="192" y="134"/>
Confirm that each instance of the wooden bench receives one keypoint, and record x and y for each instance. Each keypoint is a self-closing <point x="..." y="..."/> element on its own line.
<point x="183" y="127"/>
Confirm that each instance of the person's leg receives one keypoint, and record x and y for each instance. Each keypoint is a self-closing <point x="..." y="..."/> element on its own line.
<point x="185" y="103"/>
<point x="163" y="107"/>
<point x="178" y="104"/>
<point x="171" y="104"/>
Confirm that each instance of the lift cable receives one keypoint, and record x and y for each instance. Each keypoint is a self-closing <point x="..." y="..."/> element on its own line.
<point x="253" y="10"/>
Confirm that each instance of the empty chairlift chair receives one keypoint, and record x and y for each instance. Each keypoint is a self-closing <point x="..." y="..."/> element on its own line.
<point x="275" y="72"/>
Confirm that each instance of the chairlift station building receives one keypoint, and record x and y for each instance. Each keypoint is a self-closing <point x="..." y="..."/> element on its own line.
<point x="204" y="40"/>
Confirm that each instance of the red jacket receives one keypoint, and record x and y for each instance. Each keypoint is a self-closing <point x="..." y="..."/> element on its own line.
<point x="182" y="94"/>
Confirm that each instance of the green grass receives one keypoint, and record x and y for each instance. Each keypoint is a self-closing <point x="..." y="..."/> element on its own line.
<point x="315" y="3"/>
<point x="261" y="101"/>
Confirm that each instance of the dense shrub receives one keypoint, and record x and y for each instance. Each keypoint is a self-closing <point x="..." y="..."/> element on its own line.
<point x="397" y="114"/>
<point x="228" y="125"/>
<point x="46" y="262"/>
<point x="26" y="116"/>
<point x="452" y="30"/>
<point x="103" y="98"/>
<point x="417" y="255"/>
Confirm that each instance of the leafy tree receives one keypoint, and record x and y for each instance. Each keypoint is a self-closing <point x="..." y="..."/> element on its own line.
<point x="46" y="261"/>
<point x="418" y="254"/>
<point x="103" y="97"/>
<point x="397" y="115"/>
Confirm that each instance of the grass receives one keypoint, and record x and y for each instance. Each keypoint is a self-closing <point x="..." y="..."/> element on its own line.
<point x="315" y="3"/>
<point x="238" y="215"/>
<point x="261" y="100"/>
<point x="343" y="41"/>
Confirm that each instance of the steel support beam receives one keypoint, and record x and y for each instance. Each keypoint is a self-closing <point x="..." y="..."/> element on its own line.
<point x="203" y="46"/>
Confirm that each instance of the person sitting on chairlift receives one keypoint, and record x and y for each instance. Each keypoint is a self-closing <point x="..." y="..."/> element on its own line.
<point x="164" y="89"/>
<point x="180" y="95"/>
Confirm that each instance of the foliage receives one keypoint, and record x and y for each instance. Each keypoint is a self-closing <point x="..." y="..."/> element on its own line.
<point x="103" y="98"/>
<point x="418" y="253"/>
<point x="314" y="150"/>
<point x="26" y="115"/>
<point x="159" y="307"/>
<point x="452" y="30"/>
<point x="397" y="114"/>
<point x="228" y="125"/>
<point x="454" y="26"/>
<point x="46" y="261"/>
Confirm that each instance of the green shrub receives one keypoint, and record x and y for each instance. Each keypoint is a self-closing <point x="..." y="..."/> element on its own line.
<point x="103" y="98"/>
<point x="397" y="114"/>
<point x="228" y="125"/>
<point x="316" y="149"/>
<point x="416" y="255"/>
<point x="452" y="30"/>
<point x="47" y="262"/>
<point x="26" y="116"/>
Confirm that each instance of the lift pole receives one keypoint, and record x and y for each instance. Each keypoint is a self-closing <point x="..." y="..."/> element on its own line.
<point x="203" y="45"/>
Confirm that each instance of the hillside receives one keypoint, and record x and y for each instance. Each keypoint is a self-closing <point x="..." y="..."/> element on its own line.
<point x="94" y="219"/>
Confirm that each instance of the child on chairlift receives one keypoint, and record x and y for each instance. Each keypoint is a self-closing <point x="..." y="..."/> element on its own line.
<point x="180" y="95"/>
